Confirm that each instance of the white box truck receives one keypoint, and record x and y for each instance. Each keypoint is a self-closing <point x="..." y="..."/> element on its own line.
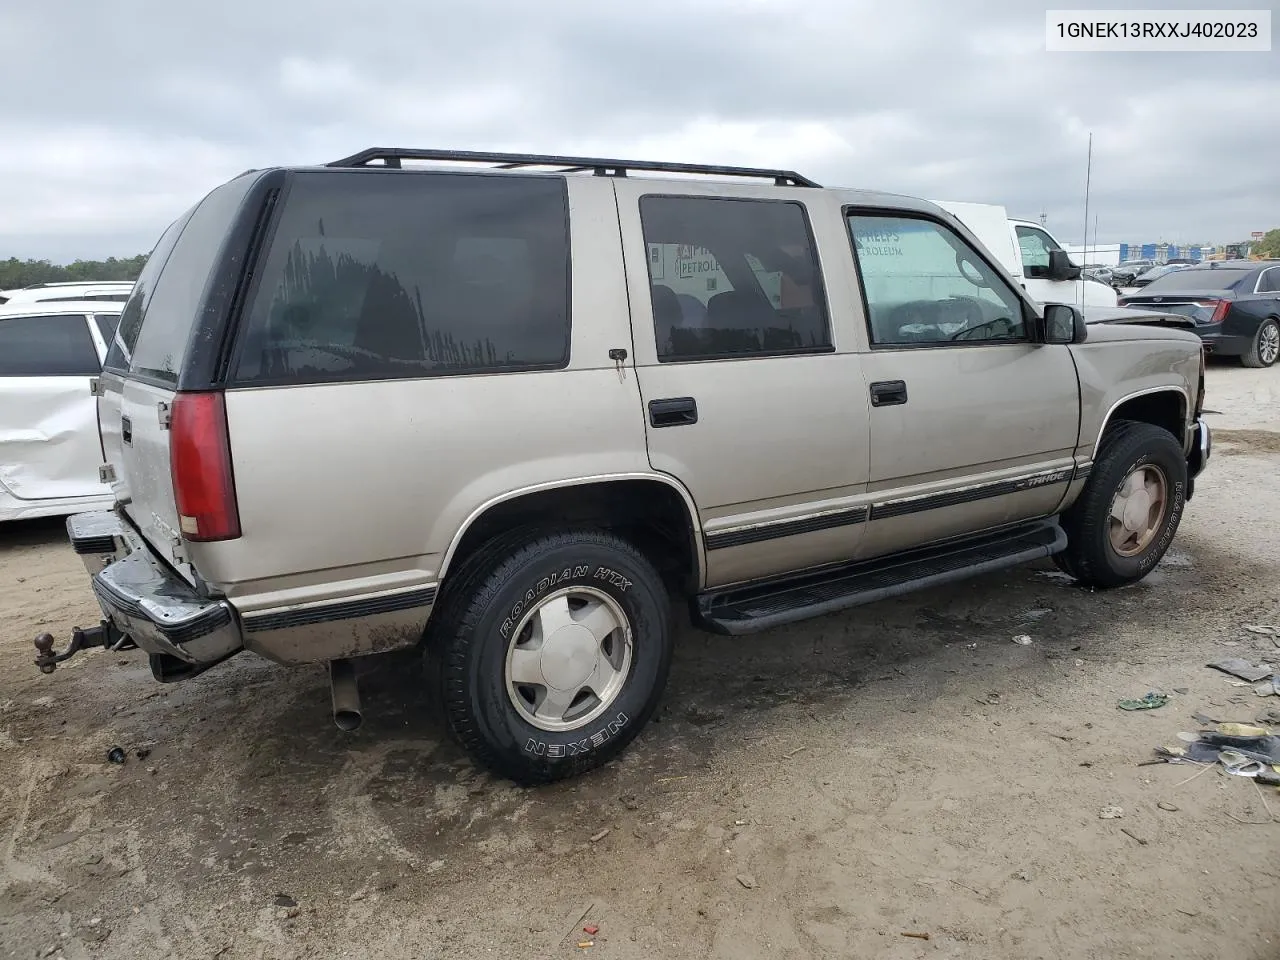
<point x="1027" y="250"/>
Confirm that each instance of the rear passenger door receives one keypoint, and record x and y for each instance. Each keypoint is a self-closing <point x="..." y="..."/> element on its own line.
<point x="49" y="445"/>
<point x="747" y="400"/>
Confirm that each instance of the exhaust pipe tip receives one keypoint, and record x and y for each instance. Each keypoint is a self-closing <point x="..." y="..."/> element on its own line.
<point x="346" y="695"/>
<point x="348" y="721"/>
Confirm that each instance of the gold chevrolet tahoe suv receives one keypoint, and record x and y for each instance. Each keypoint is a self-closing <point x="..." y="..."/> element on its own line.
<point x="516" y="410"/>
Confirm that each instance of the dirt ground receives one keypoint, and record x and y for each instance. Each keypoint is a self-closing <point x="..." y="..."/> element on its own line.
<point x="816" y="791"/>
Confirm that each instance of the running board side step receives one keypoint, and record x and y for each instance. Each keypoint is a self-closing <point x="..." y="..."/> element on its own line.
<point x="754" y="607"/>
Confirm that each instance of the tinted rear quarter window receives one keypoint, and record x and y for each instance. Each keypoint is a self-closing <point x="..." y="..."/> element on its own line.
<point x="397" y="275"/>
<point x="46" y="346"/>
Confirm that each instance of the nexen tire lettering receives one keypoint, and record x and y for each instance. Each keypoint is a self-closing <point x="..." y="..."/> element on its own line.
<point x="556" y="751"/>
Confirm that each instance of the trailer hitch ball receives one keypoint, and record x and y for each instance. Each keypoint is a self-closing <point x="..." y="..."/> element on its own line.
<point x="45" y="658"/>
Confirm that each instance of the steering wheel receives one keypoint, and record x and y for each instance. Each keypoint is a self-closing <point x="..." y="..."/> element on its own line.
<point x="995" y="326"/>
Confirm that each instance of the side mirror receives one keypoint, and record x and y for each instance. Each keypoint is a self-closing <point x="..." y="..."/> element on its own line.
<point x="1064" y="323"/>
<point x="1061" y="267"/>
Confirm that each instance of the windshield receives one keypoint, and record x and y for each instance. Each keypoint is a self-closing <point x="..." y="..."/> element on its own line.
<point x="1197" y="279"/>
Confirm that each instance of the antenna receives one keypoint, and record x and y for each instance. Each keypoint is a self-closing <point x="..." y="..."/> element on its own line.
<point x="1088" y="176"/>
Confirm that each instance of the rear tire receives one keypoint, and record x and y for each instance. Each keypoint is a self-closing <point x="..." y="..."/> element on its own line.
<point x="514" y="641"/>
<point x="1126" y="516"/>
<point x="1265" y="349"/>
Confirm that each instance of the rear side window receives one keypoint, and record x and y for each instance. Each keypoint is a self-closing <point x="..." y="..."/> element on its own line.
<point x="107" y="324"/>
<point x="388" y="276"/>
<point x="732" y="278"/>
<point x="57" y="346"/>
<point x="170" y="312"/>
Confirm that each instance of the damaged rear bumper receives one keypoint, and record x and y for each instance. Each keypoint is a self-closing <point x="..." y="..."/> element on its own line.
<point x="184" y="632"/>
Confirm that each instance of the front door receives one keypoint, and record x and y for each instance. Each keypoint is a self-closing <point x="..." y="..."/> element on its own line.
<point x="746" y="399"/>
<point x="973" y="426"/>
<point x="49" y="445"/>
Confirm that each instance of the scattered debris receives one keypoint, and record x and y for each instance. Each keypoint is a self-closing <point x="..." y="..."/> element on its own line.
<point x="284" y="900"/>
<point x="1263" y="629"/>
<point x="747" y="881"/>
<point x="916" y="936"/>
<point x="591" y="929"/>
<point x="584" y="944"/>
<point x="1079" y="662"/>
<point x="1022" y="640"/>
<point x="1166" y="805"/>
<point x="630" y="801"/>
<point x="739" y="823"/>
<point x="1036" y="614"/>
<point x="1110" y="813"/>
<point x="116" y="755"/>
<point x="990" y="700"/>
<point x="142" y="753"/>
<point x="1182" y="690"/>
<point x="788" y="756"/>
<point x="971" y="646"/>
<point x="1150" y="701"/>
<point x="1240" y="730"/>
<point x="600" y="834"/>
<point x="1242" y="669"/>
<point x="1129" y="833"/>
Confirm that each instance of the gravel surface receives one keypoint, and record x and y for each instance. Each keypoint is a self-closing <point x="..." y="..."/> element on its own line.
<point x="838" y="788"/>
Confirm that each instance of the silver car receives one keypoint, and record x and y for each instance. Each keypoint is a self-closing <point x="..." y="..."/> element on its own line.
<point x="517" y="414"/>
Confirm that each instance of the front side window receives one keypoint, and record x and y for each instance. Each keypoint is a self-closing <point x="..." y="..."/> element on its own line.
<point x="925" y="285"/>
<point x="44" y="346"/>
<point x="1035" y="246"/>
<point x="403" y="275"/>
<point x="732" y="278"/>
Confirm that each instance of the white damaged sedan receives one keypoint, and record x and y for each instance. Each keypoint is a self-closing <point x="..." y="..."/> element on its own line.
<point x="50" y="452"/>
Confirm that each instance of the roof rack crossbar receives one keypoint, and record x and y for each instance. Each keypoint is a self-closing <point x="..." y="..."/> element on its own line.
<point x="392" y="157"/>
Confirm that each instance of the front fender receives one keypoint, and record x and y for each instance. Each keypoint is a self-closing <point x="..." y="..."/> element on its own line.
<point x="1119" y="363"/>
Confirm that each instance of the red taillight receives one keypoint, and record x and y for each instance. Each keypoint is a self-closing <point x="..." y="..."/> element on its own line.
<point x="1220" y="308"/>
<point x="200" y="458"/>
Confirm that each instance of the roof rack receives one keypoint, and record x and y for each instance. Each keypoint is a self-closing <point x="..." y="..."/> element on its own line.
<point x="392" y="157"/>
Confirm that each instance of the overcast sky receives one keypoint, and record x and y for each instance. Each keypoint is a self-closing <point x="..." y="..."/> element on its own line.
<point x="117" y="116"/>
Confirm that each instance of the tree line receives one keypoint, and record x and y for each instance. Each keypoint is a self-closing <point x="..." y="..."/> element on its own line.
<point x="15" y="273"/>
<point x="1268" y="246"/>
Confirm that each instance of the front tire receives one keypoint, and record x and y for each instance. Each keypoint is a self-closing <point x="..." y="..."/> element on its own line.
<point x="552" y="653"/>
<point x="1130" y="508"/>
<point x="1265" y="349"/>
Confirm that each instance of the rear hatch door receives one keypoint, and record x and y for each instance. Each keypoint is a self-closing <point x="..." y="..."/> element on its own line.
<point x="145" y="363"/>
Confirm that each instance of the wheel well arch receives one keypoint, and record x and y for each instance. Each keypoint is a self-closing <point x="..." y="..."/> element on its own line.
<point x="654" y="513"/>
<point x="1164" y="407"/>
